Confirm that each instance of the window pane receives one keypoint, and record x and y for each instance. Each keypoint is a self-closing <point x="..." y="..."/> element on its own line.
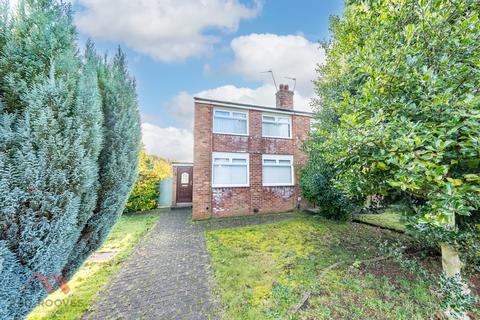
<point x="284" y="162"/>
<point x="268" y="118"/>
<point x="221" y="175"/>
<point x="269" y="129"/>
<point x="239" y="115"/>
<point x="283" y="120"/>
<point x="229" y="175"/>
<point x="222" y="113"/>
<point x="239" y="160"/>
<point x="221" y="160"/>
<point x="277" y="175"/>
<point x="237" y="126"/>
<point x="276" y="130"/>
<point x="238" y="174"/>
<point x="240" y="126"/>
<point x="283" y="130"/>
<point x="184" y="178"/>
<point x="269" y="161"/>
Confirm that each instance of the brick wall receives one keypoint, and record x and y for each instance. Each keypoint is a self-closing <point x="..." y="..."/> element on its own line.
<point x="284" y="97"/>
<point x="222" y="202"/>
<point x="230" y="202"/>
<point x="202" y="155"/>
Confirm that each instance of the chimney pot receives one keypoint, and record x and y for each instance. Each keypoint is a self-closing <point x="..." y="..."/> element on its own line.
<point x="284" y="97"/>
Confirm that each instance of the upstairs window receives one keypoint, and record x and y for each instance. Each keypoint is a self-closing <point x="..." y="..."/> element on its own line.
<point x="230" y="169"/>
<point x="276" y="126"/>
<point x="277" y="170"/>
<point x="230" y="122"/>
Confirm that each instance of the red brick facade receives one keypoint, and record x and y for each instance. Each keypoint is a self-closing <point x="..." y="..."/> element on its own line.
<point x="233" y="201"/>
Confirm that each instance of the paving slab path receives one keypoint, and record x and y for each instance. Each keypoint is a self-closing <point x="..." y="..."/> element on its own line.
<point x="169" y="275"/>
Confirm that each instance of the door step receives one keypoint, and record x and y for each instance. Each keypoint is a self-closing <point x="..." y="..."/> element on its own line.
<point x="183" y="205"/>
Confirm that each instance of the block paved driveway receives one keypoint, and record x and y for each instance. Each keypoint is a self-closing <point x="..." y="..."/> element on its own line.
<point x="169" y="275"/>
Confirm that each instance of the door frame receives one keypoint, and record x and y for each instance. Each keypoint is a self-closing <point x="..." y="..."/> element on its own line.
<point x="180" y="198"/>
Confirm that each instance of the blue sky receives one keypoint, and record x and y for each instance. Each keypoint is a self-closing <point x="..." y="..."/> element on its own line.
<point x="214" y="48"/>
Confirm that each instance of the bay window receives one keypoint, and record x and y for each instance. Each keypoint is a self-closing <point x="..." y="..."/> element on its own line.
<point x="277" y="170"/>
<point x="230" y="169"/>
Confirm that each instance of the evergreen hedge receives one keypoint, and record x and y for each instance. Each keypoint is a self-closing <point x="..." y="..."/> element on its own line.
<point x="69" y="143"/>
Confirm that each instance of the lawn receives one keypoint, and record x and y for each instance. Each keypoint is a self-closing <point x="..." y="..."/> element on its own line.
<point x="263" y="271"/>
<point x="388" y="220"/>
<point x="93" y="276"/>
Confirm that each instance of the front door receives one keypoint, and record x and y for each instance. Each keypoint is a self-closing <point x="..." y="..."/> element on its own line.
<point x="184" y="184"/>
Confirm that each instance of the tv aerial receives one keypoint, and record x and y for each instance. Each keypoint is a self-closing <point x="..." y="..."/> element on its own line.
<point x="294" y="82"/>
<point x="273" y="77"/>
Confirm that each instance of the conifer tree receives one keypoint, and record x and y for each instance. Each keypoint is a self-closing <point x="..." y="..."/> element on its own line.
<point x="69" y="140"/>
<point x="120" y="159"/>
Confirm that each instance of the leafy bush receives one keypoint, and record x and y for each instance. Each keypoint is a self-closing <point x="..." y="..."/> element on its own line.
<point x="399" y="96"/>
<point x="145" y="192"/>
<point x="144" y="195"/>
<point x="69" y="143"/>
<point x="318" y="186"/>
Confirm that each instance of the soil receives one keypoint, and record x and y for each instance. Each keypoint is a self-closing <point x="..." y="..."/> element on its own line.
<point x="393" y="272"/>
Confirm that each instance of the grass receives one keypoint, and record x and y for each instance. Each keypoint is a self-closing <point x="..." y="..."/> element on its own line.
<point x="93" y="276"/>
<point x="389" y="220"/>
<point x="262" y="271"/>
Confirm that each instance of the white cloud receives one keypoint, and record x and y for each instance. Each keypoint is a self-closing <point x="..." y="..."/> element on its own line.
<point x="181" y="106"/>
<point x="177" y="143"/>
<point x="292" y="56"/>
<point x="288" y="56"/>
<point x="167" y="30"/>
<point x="170" y="143"/>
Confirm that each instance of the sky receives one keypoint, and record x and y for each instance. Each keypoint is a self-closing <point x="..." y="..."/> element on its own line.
<point x="178" y="49"/>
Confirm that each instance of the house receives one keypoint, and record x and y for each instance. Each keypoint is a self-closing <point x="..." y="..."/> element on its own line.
<point x="247" y="157"/>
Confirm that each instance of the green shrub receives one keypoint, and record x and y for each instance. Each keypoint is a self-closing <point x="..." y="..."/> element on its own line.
<point x="146" y="191"/>
<point x="399" y="92"/>
<point x="317" y="185"/>
<point x="144" y="195"/>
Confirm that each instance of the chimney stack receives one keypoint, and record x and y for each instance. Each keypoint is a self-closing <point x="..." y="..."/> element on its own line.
<point x="284" y="97"/>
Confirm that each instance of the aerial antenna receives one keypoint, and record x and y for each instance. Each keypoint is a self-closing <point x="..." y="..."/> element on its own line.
<point x="273" y="77"/>
<point x="295" y="82"/>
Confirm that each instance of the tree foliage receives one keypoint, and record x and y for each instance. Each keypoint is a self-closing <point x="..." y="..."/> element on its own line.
<point x="145" y="193"/>
<point x="399" y="109"/>
<point x="317" y="182"/>
<point x="69" y="140"/>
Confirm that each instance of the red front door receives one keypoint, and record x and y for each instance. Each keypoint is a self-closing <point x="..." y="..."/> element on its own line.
<point x="184" y="184"/>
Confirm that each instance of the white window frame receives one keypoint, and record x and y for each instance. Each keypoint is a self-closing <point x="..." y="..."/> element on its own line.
<point x="230" y="156"/>
<point x="230" y="111"/>
<point x="277" y="158"/>
<point x="277" y="116"/>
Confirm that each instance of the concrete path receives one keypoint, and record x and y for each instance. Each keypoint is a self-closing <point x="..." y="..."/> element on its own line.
<point x="169" y="276"/>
